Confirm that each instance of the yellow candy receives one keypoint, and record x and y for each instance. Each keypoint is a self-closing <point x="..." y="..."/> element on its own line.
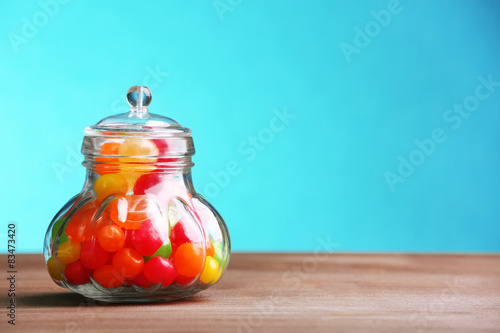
<point x="210" y="271"/>
<point x="137" y="147"/>
<point x="52" y="268"/>
<point x="69" y="252"/>
<point x="109" y="184"/>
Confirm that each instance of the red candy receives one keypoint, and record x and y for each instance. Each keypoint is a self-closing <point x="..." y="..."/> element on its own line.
<point x="162" y="146"/>
<point x="129" y="237"/>
<point x="147" y="239"/>
<point x="178" y="236"/>
<point x="158" y="270"/>
<point x="76" y="274"/>
<point x="147" y="182"/>
<point x="141" y="281"/>
<point x="92" y="255"/>
<point x="183" y="279"/>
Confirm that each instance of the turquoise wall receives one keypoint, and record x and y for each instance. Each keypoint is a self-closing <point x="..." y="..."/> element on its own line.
<point x="362" y="125"/>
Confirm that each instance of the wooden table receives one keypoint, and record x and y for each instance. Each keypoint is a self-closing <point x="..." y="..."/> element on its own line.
<point x="284" y="293"/>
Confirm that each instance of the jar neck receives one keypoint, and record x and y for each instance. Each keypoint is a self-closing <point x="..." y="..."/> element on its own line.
<point x="138" y="154"/>
<point x="172" y="175"/>
<point x="103" y="165"/>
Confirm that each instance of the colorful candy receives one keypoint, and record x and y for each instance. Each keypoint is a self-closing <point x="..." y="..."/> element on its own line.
<point x="69" y="252"/>
<point x="189" y="259"/>
<point x="141" y="281"/>
<point x="160" y="270"/>
<point x="210" y="270"/>
<point x="217" y="251"/>
<point x="148" y="183"/>
<point x="110" y="184"/>
<point x="178" y="236"/>
<point x="77" y="224"/>
<point x="53" y="270"/>
<point x="93" y="255"/>
<point x="164" y="251"/>
<point x="128" y="262"/>
<point x="76" y="274"/>
<point x="137" y="147"/>
<point x="130" y="211"/>
<point x="55" y="229"/>
<point x="147" y="239"/>
<point x="111" y="238"/>
<point x="108" y="277"/>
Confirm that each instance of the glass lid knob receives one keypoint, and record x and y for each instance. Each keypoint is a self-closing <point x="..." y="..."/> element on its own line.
<point x="139" y="98"/>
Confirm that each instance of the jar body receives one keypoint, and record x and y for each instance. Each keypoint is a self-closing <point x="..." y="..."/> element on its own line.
<point x="136" y="233"/>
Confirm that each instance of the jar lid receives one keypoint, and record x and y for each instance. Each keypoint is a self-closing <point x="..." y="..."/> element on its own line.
<point x="138" y="120"/>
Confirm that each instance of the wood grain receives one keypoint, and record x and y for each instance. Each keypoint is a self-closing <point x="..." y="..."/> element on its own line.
<point x="285" y="293"/>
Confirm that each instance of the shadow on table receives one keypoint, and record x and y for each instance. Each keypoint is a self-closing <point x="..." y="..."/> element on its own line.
<point x="68" y="299"/>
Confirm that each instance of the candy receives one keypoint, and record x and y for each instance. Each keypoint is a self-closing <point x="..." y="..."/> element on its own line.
<point x="189" y="259"/>
<point x="93" y="255"/>
<point x="128" y="262"/>
<point x="163" y="150"/>
<point x="147" y="239"/>
<point x="110" y="258"/>
<point x="210" y="270"/>
<point x="129" y="237"/>
<point x="141" y="281"/>
<point x="53" y="270"/>
<point x="80" y="220"/>
<point x="69" y="252"/>
<point x="102" y="220"/>
<point x="76" y="274"/>
<point x="108" y="277"/>
<point x="148" y="183"/>
<point x="183" y="280"/>
<point x="108" y="148"/>
<point x="158" y="270"/>
<point x="137" y="147"/>
<point x="178" y="236"/>
<point x="217" y="251"/>
<point x="164" y="251"/>
<point x="111" y="238"/>
<point x="55" y="228"/>
<point x="209" y="247"/>
<point x="162" y="146"/>
<point x="130" y="211"/>
<point x="110" y="184"/>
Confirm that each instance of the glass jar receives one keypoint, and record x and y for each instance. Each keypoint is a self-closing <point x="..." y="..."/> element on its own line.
<point x="138" y="231"/>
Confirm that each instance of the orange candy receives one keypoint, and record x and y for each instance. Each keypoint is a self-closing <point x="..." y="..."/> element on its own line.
<point x="109" y="148"/>
<point x="130" y="211"/>
<point x="128" y="262"/>
<point x="111" y="238"/>
<point x="189" y="259"/>
<point x="80" y="220"/>
<point x="209" y="248"/>
<point x="92" y="229"/>
<point x="108" y="277"/>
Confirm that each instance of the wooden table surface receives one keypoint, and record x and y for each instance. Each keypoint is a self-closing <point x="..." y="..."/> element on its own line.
<point x="284" y="293"/>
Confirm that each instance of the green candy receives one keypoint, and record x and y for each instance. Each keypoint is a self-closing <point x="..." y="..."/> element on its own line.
<point x="218" y="251"/>
<point x="164" y="251"/>
<point x="55" y="229"/>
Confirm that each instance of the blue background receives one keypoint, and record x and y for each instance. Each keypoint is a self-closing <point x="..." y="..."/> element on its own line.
<point x="222" y="70"/>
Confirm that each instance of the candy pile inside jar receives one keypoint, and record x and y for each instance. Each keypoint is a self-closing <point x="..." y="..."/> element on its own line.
<point x="137" y="226"/>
